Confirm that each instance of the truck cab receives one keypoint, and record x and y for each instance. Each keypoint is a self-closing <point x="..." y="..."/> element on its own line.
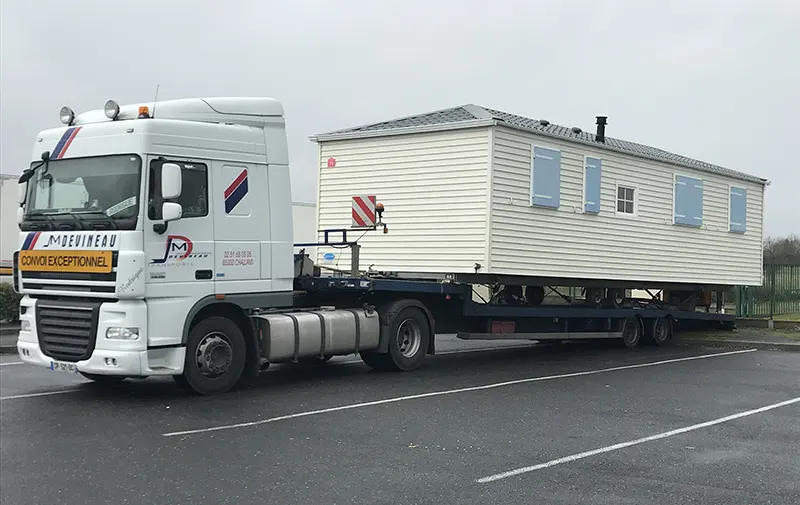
<point x="140" y="222"/>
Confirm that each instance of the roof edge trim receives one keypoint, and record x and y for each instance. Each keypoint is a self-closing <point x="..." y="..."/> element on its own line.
<point x="457" y="125"/>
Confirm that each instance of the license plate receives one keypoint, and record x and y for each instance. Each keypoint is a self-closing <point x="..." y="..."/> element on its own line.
<point x="60" y="366"/>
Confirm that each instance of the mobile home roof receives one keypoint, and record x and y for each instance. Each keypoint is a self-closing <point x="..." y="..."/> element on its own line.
<point x="471" y="116"/>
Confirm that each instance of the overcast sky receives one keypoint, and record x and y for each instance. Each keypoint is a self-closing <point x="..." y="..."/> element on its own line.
<point x="714" y="80"/>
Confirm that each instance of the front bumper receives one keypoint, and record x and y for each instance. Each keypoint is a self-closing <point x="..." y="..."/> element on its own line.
<point x="129" y="358"/>
<point x="161" y="361"/>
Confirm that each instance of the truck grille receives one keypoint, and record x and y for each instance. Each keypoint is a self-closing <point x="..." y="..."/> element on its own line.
<point x="67" y="329"/>
<point x="15" y="272"/>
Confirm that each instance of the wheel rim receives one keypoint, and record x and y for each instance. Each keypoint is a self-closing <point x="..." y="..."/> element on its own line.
<point x="630" y="332"/>
<point x="409" y="338"/>
<point x="660" y="331"/>
<point x="214" y="355"/>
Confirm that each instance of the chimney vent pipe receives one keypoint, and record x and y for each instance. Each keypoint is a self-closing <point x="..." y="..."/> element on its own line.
<point x="601" y="128"/>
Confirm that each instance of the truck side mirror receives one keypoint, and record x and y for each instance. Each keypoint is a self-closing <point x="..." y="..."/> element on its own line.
<point x="171" y="181"/>
<point x="171" y="211"/>
<point x="22" y="191"/>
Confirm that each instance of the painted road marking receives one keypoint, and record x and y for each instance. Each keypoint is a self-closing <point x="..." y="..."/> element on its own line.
<point x="45" y="393"/>
<point x="623" y="445"/>
<point x="445" y="392"/>
<point x="12" y="363"/>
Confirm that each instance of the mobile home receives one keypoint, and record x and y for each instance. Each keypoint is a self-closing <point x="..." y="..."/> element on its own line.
<point x="472" y="190"/>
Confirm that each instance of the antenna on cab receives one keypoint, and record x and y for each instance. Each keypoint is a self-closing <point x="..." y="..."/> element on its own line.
<point x="155" y="101"/>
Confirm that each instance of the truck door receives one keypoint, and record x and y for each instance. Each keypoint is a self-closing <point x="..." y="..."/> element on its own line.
<point x="241" y="228"/>
<point x="180" y="259"/>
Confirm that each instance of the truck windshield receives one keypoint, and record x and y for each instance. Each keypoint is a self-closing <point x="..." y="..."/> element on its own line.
<point x="86" y="192"/>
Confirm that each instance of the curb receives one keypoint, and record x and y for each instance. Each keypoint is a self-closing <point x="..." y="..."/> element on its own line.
<point x="767" y="346"/>
<point x="764" y="324"/>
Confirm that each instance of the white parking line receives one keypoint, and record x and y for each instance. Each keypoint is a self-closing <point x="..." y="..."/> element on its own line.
<point x="12" y="363"/>
<point x="445" y="392"/>
<point x="45" y="393"/>
<point x="623" y="445"/>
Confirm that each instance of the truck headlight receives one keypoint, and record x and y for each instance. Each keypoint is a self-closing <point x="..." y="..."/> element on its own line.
<point x="25" y="325"/>
<point x="117" y="333"/>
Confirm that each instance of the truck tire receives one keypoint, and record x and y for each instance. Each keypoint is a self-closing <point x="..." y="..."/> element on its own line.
<point x="215" y="357"/>
<point x="631" y="332"/>
<point x="409" y="336"/>
<point x="616" y="297"/>
<point x="594" y="297"/>
<point x="661" y="331"/>
<point x="534" y="295"/>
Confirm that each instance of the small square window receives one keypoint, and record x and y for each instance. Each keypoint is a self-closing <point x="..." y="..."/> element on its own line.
<point x="626" y="200"/>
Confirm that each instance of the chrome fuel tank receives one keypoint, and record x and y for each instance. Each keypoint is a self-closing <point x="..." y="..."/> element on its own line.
<point x="322" y="332"/>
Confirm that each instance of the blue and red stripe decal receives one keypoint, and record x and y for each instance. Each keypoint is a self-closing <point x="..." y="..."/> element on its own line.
<point x="65" y="142"/>
<point x="236" y="192"/>
<point x="30" y="240"/>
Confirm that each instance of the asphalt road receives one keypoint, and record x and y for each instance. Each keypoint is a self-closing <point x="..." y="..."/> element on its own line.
<point x="589" y="424"/>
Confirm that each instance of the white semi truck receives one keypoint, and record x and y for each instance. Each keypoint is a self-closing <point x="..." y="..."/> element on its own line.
<point x="157" y="239"/>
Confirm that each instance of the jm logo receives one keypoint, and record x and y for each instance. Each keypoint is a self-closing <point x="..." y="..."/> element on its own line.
<point x="177" y="247"/>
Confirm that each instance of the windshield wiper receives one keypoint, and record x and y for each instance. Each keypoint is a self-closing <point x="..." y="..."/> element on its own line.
<point x="111" y="222"/>
<point x="51" y="223"/>
<point x="48" y="216"/>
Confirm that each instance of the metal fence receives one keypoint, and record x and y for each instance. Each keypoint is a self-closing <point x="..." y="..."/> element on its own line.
<point x="779" y="295"/>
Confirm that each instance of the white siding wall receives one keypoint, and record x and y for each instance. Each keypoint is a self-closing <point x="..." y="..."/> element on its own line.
<point x="433" y="187"/>
<point x="567" y="243"/>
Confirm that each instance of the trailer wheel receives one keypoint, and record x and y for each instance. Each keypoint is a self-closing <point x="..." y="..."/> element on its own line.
<point x="661" y="331"/>
<point x="534" y="295"/>
<point x="594" y="297"/>
<point x="215" y="357"/>
<point x="631" y="332"/>
<point x="409" y="336"/>
<point x="616" y="297"/>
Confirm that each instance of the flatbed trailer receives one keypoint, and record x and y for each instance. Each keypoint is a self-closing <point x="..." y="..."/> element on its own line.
<point x="410" y="312"/>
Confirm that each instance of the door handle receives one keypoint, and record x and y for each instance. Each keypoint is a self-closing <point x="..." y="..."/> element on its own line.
<point x="203" y="275"/>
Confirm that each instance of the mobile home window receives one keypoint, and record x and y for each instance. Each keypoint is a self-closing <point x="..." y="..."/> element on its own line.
<point x="591" y="185"/>
<point x="546" y="177"/>
<point x="626" y="200"/>
<point x="738" y="210"/>
<point x="688" y="201"/>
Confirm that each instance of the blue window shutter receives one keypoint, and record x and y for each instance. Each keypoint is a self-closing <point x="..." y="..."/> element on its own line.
<point x="546" y="177"/>
<point x="738" y="210"/>
<point x="696" y="201"/>
<point x="591" y="192"/>
<point x="681" y="199"/>
<point x="688" y="201"/>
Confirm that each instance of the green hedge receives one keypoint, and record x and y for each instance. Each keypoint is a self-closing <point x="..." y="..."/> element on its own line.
<point x="9" y="303"/>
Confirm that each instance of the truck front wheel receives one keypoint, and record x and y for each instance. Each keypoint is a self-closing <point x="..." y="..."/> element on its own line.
<point x="215" y="357"/>
<point x="408" y="338"/>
